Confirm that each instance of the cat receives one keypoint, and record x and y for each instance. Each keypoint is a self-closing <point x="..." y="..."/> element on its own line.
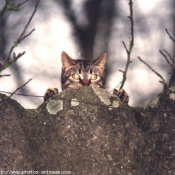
<point x="79" y="73"/>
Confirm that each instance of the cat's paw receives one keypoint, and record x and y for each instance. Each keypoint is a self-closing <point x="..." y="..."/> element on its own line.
<point x="122" y="94"/>
<point x="50" y="93"/>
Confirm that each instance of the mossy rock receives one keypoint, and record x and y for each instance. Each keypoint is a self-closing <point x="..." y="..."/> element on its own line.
<point x="89" y="131"/>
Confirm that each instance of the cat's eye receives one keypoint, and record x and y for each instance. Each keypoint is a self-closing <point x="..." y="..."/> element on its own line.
<point x="76" y="76"/>
<point x="93" y="77"/>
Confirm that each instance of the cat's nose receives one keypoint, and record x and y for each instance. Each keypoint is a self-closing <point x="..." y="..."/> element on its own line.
<point x="85" y="82"/>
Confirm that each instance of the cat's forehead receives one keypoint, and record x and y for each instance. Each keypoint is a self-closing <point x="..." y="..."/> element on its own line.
<point x="83" y="63"/>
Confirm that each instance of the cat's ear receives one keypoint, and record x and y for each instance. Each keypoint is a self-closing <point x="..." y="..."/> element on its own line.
<point x="101" y="61"/>
<point x="66" y="60"/>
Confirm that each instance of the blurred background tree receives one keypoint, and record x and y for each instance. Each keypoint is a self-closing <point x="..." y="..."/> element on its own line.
<point x="91" y="27"/>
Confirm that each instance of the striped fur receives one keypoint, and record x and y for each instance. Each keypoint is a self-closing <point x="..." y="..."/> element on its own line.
<point x="78" y="73"/>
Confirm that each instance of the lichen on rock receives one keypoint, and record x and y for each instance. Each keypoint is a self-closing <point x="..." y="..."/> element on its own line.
<point x="153" y="102"/>
<point x="74" y="102"/>
<point x="85" y="137"/>
<point x="103" y="95"/>
<point x="53" y="106"/>
<point x="172" y="96"/>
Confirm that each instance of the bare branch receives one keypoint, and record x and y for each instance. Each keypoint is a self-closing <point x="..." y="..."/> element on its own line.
<point x="26" y="95"/>
<point x="170" y="57"/>
<point x="160" y="76"/>
<point x="5" y="75"/>
<point x="19" y="88"/>
<point x="9" y="6"/>
<point x="15" y="58"/>
<point x="20" y="4"/>
<point x="22" y="36"/>
<point x="171" y="61"/>
<point x="132" y="25"/>
<point x="121" y="71"/>
<point x="170" y="35"/>
<point x="30" y="19"/>
<point x="27" y="34"/>
<point x="127" y="51"/>
<point x="172" y="76"/>
<point x="131" y="44"/>
<point x="165" y="58"/>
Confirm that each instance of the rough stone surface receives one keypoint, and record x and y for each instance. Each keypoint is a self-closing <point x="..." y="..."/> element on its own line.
<point x="96" y="134"/>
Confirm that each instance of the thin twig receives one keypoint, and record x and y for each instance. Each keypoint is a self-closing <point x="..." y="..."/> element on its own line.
<point x="18" y="56"/>
<point x="30" y="19"/>
<point x="20" y="4"/>
<point x="170" y="35"/>
<point x="170" y="57"/>
<point x="121" y="71"/>
<point x="21" y="94"/>
<point x="172" y="77"/>
<point x="171" y="62"/>
<point x="5" y="75"/>
<point x="27" y="35"/>
<point x="19" y="88"/>
<point x="131" y="44"/>
<point x="132" y="25"/>
<point x="8" y="6"/>
<point x="160" y="76"/>
<point x="165" y="58"/>
<point x="127" y="51"/>
<point x="20" y="38"/>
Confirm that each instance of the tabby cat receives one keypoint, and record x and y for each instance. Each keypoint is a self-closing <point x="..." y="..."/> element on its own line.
<point x="78" y="73"/>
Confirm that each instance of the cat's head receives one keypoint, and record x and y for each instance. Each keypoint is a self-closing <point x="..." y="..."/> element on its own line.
<point x="78" y="73"/>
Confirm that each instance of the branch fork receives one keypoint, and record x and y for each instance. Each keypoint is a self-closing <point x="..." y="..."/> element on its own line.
<point x="131" y="44"/>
